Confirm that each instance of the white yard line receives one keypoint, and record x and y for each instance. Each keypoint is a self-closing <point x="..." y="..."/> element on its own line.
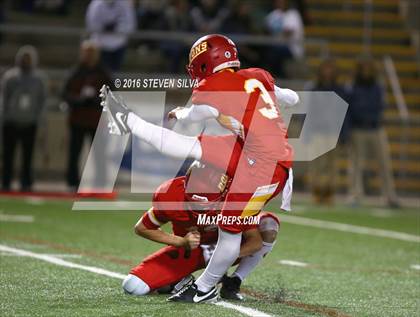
<point x="64" y="255"/>
<point x="57" y="261"/>
<point x="293" y="263"/>
<point x="57" y="255"/>
<point x="61" y="262"/>
<point x="16" y="218"/>
<point x="349" y="228"/>
<point x="415" y="266"/>
<point x="242" y="309"/>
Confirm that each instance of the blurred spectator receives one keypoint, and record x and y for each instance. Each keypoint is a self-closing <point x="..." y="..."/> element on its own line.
<point x="286" y="23"/>
<point x="110" y="23"/>
<point x="150" y="14"/>
<point x="24" y="94"/>
<point x="323" y="169"/>
<point x="240" y="21"/>
<point x="328" y="80"/>
<point x="81" y="93"/>
<point x="208" y="16"/>
<point x="176" y="18"/>
<point x="366" y="106"/>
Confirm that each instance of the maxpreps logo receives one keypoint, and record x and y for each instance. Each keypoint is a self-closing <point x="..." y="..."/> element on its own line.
<point x="215" y="220"/>
<point x="197" y="50"/>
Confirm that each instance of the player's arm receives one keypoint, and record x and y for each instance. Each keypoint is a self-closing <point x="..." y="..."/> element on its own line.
<point x="202" y="107"/>
<point x="194" y="113"/>
<point x="203" y="112"/>
<point x="154" y="233"/>
<point x="253" y="242"/>
<point x="286" y="97"/>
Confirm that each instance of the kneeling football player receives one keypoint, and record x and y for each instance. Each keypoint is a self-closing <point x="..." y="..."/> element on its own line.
<point x="190" y="204"/>
<point x="256" y="151"/>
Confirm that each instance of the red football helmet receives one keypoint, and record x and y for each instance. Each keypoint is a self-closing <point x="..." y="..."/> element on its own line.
<point x="212" y="53"/>
<point x="205" y="187"/>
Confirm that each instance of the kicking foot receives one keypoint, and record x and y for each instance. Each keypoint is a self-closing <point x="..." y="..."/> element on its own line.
<point x="191" y="294"/>
<point x="230" y="288"/>
<point x="117" y="112"/>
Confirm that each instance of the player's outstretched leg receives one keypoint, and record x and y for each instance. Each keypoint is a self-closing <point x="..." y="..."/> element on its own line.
<point x="268" y="227"/>
<point x="122" y="121"/>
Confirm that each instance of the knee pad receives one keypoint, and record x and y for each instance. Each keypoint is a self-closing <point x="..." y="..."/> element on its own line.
<point x="135" y="286"/>
<point x="268" y="228"/>
<point x="268" y="223"/>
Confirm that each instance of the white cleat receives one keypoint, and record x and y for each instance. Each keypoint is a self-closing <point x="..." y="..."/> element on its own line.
<point x="117" y="111"/>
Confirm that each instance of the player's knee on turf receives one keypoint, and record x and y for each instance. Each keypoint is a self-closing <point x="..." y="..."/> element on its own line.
<point x="134" y="285"/>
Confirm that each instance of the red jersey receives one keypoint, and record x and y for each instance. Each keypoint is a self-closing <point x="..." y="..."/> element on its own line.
<point x="169" y="206"/>
<point x="247" y="98"/>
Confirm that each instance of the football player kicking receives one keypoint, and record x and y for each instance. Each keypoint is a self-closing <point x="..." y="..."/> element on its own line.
<point x="191" y="244"/>
<point x="256" y="155"/>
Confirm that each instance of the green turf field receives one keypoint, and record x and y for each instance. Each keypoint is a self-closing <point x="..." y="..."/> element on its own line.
<point x="345" y="273"/>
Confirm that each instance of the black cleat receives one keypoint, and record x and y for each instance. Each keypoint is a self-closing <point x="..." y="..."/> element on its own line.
<point x="230" y="288"/>
<point x="176" y="287"/>
<point x="117" y="112"/>
<point x="189" y="279"/>
<point x="191" y="294"/>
